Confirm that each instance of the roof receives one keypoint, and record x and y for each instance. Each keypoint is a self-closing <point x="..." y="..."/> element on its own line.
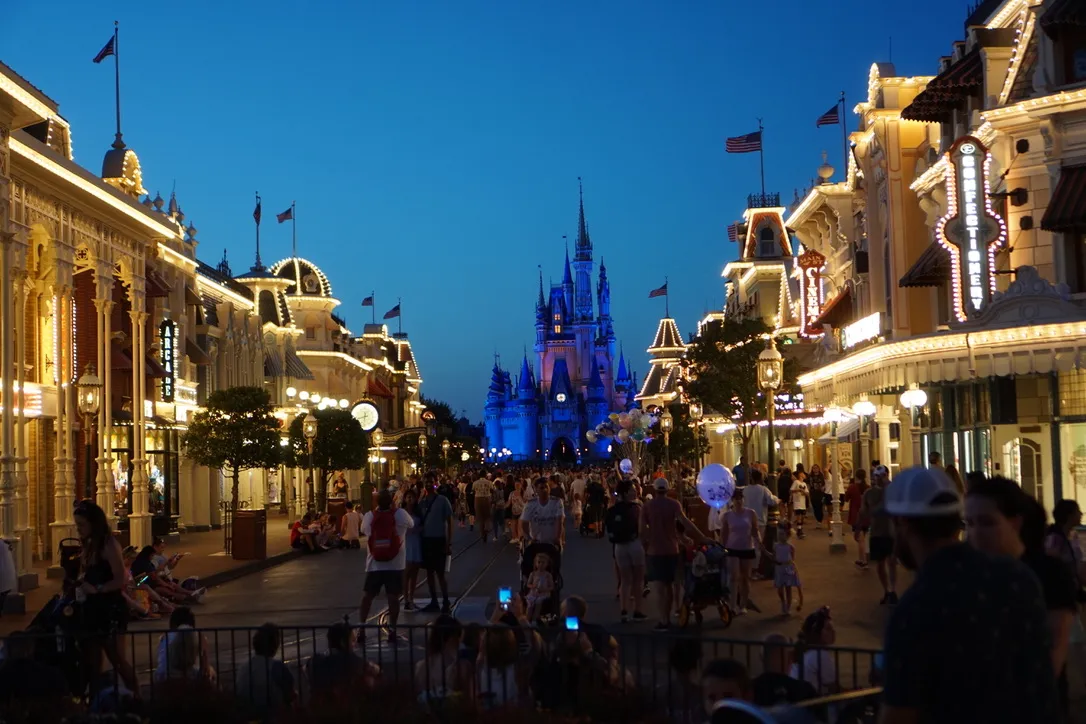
<point x="668" y="338"/>
<point x="560" y="381"/>
<point x="838" y="311"/>
<point x="377" y="388"/>
<point x="931" y="268"/>
<point x="296" y="368"/>
<point x="306" y="276"/>
<point x="1064" y="14"/>
<point x="947" y="90"/>
<point x="661" y="380"/>
<point x="209" y="272"/>
<point x="1066" y="210"/>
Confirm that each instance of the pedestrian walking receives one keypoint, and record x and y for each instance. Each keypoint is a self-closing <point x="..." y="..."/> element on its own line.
<point x="661" y="519"/>
<point x="881" y="541"/>
<point x="385" y="529"/>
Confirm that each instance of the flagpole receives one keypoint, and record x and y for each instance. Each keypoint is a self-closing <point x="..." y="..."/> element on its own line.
<point x="258" y="264"/>
<point x="399" y="317"/>
<point x="761" y="153"/>
<point x="294" y="229"/>
<point x="844" y="135"/>
<point x="373" y="307"/>
<point x="118" y="142"/>
<point x="667" y="299"/>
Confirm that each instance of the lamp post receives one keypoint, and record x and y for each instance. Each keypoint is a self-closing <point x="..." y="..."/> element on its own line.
<point x="914" y="400"/>
<point x="309" y="431"/>
<point x="90" y="400"/>
<point x="445" y="445"/>
<point x="696" y="413"/>
<point x="667" y="424"/>
<point x="833" y="415"/>
<point x="864" y="408"/>
<point x="378" y="437"/>
<point x="423" y="443"/>
<point x="770" y="371"/>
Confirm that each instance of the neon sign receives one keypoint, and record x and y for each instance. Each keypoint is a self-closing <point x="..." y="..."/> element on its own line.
<point x="862" y="330"/>
<point x="970" y="231"/>
<point x="167" y="333"/>
<point x="811" y="295"/>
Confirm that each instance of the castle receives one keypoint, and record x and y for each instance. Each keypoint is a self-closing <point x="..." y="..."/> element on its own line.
<point x="546" y="417"/>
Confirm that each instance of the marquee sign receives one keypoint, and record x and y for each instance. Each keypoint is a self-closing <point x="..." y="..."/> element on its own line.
<point x="167" y="333"/>
<point x="811" y="295"/>
<point x="970" y="231"/>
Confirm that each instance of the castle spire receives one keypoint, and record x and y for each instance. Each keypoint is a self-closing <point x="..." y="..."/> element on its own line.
<point x="526" y="387"/>
<point x="567" y="277"/>
<point x="584" y="242"/>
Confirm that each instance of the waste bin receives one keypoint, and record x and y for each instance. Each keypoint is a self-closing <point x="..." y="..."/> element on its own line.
<point x="249" y="535"/>
<point x="337" y="507"/>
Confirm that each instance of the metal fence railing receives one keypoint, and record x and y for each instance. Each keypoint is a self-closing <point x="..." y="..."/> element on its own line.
<point x="605" y="674"/>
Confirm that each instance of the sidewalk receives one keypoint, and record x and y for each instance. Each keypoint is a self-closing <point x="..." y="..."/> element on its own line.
<point x="206" y="560"/>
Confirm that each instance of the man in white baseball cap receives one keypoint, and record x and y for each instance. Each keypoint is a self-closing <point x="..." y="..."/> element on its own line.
<point x="964" y="611"/>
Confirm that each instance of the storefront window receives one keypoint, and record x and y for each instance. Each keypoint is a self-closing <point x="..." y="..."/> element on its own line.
<point x="1073" y="449"/>
<point x="1072" y="393"/>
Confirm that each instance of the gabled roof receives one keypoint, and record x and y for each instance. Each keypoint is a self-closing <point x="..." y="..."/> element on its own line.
<point x="560" y="381"/>
<point x="668" y="340"/>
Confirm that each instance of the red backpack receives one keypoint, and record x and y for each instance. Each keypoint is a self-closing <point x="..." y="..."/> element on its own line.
<point x="384" y="542"/>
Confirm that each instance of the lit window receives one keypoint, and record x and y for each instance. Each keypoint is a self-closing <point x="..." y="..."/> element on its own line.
<point x="558" y="317"/>
<point x="558" y="329"/>
<point x="310" y="332"/>
<point x="767" y="242"/>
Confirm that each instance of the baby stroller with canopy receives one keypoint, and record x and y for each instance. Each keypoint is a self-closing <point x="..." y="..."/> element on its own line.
<point x="595" y="508"/>
<point x="528" y="552"/>
<point x="705" y="584"/>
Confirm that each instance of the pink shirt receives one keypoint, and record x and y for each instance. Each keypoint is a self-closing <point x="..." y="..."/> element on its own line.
<point x="661" y="515"/>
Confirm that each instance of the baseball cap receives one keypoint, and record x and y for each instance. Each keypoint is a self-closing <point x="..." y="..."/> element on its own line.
<point x="660" y="483"/>
<point x="920" y="492"/>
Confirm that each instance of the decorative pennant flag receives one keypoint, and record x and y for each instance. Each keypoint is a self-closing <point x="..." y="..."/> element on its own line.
<point x="733" y="232"/>
<point x="393" y="313"/>
<point x="285" y="216"/>
<point x="368" y="301"/>
<point x="744" y="144"/>
<point x="659" y="292"/>
<point x="106" y="51"/>
<point x="256" y="212"/>
<point x="831" y="117"/>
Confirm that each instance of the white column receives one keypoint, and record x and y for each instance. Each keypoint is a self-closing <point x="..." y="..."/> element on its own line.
<point x="139" y="520"/>
<point x="24" y="530"/>
<point x="837" y="541"/>
<point x="884" y="418"/>
<point x="7" y="239"/>
<point x="63" y="496"/>
<point x="104" y="482"/>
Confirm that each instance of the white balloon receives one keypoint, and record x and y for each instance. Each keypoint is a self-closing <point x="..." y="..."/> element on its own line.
<point x="591" y="435"/>
<point x="626" y="466"/>
<point x="716" y="485"/>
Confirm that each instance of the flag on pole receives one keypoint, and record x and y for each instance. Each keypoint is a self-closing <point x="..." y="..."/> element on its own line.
<point x="256" y="212"/>
<point x="744" y="144"/>
<point x="106" y="51"/>
<point x="831" y="117"/>
<point x="659" y="292"/>
<point x="285" y="216"/>
<point x="393" y="313"/>
<point x="733" y="232"/>
<point x="368" y="301"/>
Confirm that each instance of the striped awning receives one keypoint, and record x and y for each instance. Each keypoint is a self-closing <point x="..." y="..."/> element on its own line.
<point x="196" y="353"/>
<point x="1066" y="210"/>
<point x="931" y="269"/>
<point x="947" y="90"/>
<point x="838" y="312"/>
<point x="1063" y="14"/>
<point x="377" y="388"/>
<point x="272" y="366"/>
<point x="296" y="368"/>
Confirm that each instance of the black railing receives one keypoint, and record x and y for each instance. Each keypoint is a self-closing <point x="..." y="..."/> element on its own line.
<point x="608" y="675"/>
<point x="769" y="200"/>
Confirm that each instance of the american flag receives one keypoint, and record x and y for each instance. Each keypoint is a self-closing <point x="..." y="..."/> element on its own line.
<point x="393" y="313"/>
<point x="256" y="212"/>
<point x="659" y="291"/>
<point x="831" y="117"/>
<point x="368" y="301"/>
<point x="744" y="144"/>
<point x="106" y="51"/>
<point x="733" y="232"/>
<point x="285" y="216"/>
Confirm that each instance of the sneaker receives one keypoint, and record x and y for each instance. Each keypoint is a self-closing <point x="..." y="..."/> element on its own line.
<point x="408" y="606"/>
<point x="741" y="611"/>
<point x="431" y="607"/>
<point x="892" y="598"/>
<point x="661" y="628"/>
<point x="624" y="617"/>
<point x="446" y="608"/>
<point x="638" y="616"/>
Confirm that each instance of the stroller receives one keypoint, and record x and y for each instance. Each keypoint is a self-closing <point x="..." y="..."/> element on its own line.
<point x="706" y="584"/>
<point x="528" y="552"/>
<point x="595" y="508"/>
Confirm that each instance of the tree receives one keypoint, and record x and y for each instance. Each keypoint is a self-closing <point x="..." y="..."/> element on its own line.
<point x="687" y="443"/>
<point x="723" y="372"/>
<point x="445" y="419"/>
<point x="236" y="430"/>
<point x="340" y="445"/>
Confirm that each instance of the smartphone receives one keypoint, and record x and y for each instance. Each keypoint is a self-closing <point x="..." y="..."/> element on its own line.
<point x="143" y="579"/>
<point x="505" y="597"/>
<point x="573" y="623"/>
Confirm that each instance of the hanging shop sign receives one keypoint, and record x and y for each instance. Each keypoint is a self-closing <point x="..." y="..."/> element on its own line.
<point x="971" y="231"/>
<point x="862" y="330"/>
<point x="167" y="334"/>
<point x="811" y="295"/>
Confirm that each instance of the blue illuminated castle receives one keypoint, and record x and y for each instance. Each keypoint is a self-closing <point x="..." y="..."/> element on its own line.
<point x="546" y="416"/>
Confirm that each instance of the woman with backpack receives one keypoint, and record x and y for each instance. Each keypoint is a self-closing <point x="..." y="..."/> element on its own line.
<point x="385" y="530"/>
<point x="621" y="524"/>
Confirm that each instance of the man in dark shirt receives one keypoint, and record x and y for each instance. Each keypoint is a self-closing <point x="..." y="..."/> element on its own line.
<point x="774" y="686"/>
<point x="965" y="612"/>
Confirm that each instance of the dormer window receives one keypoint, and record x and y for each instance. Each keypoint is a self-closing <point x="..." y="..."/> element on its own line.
<point x="767" y="242"/>
<point x="558" y="329"/>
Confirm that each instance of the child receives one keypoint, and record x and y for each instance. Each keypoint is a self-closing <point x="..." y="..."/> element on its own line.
<point x="785" y="576"/>
<point x="800" y="495"/>
<point x="540" y="585"/>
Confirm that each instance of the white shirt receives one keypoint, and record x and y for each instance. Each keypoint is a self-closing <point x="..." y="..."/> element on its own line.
<point x="799" y="495"/>
<point x="351" y="522"/>
<point x="543" y="519"/>
<point x="758" y="498"/>
<point x="483" y="488"/>
<point x="578" y="487"/>
<point x="403" y="522"/>
<point x="716" y="518"/>
<point x="819" y="670"/>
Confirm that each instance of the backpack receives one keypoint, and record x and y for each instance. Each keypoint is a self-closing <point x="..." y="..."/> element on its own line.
<point x="384" y="543"/>
<point x="621" y="523"/>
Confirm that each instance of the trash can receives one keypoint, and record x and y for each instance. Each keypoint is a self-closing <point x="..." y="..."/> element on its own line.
<point x="337" y="507"/>
<point x="249" y="535"/>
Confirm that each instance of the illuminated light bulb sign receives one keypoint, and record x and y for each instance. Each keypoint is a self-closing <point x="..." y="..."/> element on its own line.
<point x="811" y="295"/>
<point x="168" y="338"/>
<point x="970" y="231"/>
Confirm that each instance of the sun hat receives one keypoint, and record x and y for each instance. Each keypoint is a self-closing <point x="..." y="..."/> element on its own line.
<point x="920" y="492"/>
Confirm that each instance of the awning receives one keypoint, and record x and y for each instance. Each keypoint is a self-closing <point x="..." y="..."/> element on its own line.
<point x="947" y="90"/>
<point x="377" y="388"/>
<point x="195" y="353"/>
<point x="272" y="366"/>
<point x="844" y="430"/>
<point x="1063" y="14"/>
<point x="838" y="312"/>
<point x="191" y="297"/>
<point x="155" y="285"/>
<point x="119" y="359"/>
<point x="1067" y="209"/>
<point x="296" y="368"/>
<point x="154" y="369"/>
<point x="931" y="269"/>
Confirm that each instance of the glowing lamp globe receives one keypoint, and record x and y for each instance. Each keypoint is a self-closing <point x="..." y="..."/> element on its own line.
<point x="716" y="485"/>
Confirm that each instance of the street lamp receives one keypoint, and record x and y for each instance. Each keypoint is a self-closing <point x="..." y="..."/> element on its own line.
<point x="423" y="443"/>
<point x="378" y="437"/>
<point x="696" y="413"/>
<point x="770" y="371"/>
<point x="834" y="415"/>
<point x="90" y="401"/>
<point x="445" y="445"/>
<point x="667" y="424"/>
<point x="309" y="432"/>
<point x="914" y="399"/>
<point x="864" y="408"/>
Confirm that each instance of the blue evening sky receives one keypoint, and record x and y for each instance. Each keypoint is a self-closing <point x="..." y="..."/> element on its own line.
<point x="433" y="148"/>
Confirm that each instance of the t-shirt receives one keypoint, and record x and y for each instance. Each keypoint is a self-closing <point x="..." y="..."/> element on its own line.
<point x="799" y="495"/>
<point x="438" y="510"/>
<point x="970" y="612"/>
<point x="483" y="488"/>
<point x="660" y="515"/>
<point x="352" y="522"/>
<point x="784" y="487"/>
<point x="403" y="522"/>
<point x="1058" y="586"/>
<point x="740" y="474"/>
<point x="873" y="509"/>
<point x="543" y="519"/>
<point x="295" y="532"/>
<point x="621" y="521"/>
<point x="819" y="670"/>
<point x="578" y="487"/>
<point x="773" y="689"/>
<point x="265" y="683"/>
<point x="758" y="498"/>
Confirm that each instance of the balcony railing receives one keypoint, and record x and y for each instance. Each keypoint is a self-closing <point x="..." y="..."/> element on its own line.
<point x="764" y="201"/>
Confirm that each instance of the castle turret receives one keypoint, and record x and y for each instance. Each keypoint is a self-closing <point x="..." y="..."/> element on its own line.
<point x="582" y="262"/>
<point x="596" y="409"/>
<point x="604" y="322"/>
<point x="526" y="383"/>
<point x="623" y="383"/>
<point x="527" y="414"/>
<point x="495" y="402"/>
<point x="568" y="290"/>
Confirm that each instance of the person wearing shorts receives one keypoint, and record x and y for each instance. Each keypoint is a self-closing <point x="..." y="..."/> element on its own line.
<point x="385" y="575"/>
<point x="622" y="524"/>
<point x="881" y="540"/>
<point x="661" y="518"/>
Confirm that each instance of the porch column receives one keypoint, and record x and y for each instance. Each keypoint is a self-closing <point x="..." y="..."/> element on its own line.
<point x="139" y="521"/>
<point x="24" y="530"/>
<point x="884" y="418"/>
<point x="63" y="491"/>
<point x="7" y="352"/>
<point x="103" y="302"/>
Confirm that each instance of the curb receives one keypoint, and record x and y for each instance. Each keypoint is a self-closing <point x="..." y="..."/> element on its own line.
<point x="248" y="568"/>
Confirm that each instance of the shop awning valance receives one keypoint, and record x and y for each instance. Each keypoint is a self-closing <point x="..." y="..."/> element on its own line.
<point x="155" y="285"/>
<point x="931" y="269"/>
<point x="1067" y="209"/>
<point x="154" y="368"/>
<point x="119" y="359"/>
<point x="196" y="353"/>
<point x="1064" y="14"/>
<point x="296" y="368"/>
<point x="272" y="366"/>
<point x="844" y="430"/>
<point x="191" y="297"/>
<point x="377" y="388"/>
<point x="947" y="90"/>
<point x="838" y="312"/>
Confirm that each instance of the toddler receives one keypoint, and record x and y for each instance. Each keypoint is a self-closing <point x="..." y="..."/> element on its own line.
<point x="785" y="575"/>
<point x="540" y="585"/>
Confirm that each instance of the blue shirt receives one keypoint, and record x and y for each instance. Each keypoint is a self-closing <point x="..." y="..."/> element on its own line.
<point x="740" y="473"/>
<point x="437" y="510"/>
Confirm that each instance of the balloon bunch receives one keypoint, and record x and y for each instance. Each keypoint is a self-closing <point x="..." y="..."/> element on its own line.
<point x="625" y="426"/>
